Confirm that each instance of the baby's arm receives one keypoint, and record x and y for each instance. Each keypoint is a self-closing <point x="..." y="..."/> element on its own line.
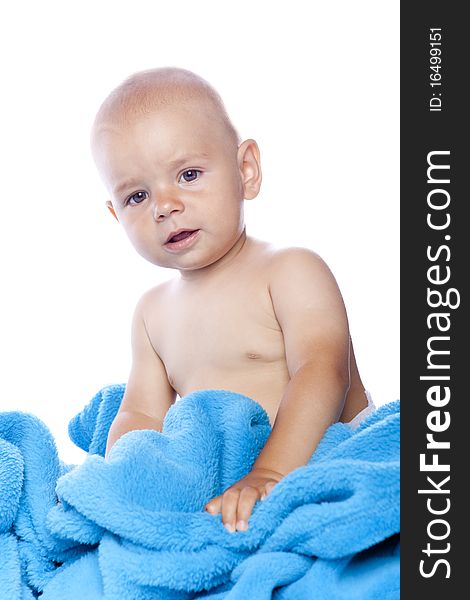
<point x="311" y="313"/>
<point x="148" y="394"/>
<point x="312" y="316"/>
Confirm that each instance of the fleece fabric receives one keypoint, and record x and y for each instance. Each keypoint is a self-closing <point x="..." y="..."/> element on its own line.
<point x="133" y="526"/>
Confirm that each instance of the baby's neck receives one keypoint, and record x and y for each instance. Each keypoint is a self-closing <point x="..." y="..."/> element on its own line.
<point x="223" y="264"/>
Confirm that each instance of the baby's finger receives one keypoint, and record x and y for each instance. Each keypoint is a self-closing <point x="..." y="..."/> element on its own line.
<point x="214" y="506"/>
<point x="229" y="508"/>
<point x="269" y="486"/>
<point x="248" y="498"/>
<point x="268" y="489"/>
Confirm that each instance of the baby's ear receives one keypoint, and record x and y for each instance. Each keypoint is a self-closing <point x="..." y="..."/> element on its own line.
<point x="250" y="168"/>
<point x="111" y="209"/>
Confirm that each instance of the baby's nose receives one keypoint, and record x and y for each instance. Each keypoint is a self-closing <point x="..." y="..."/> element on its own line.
<point x="164" y="207"/>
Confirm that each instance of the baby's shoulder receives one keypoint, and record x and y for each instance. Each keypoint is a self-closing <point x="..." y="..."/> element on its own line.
<point x="153" y="297"/>
<point x="294" y="260"/>
<point x="299" y="278"/>
<point x="277" y="256"/>
<point x="296" y="270"/>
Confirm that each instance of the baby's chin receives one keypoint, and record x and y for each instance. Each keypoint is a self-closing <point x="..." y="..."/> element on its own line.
<point x="184" y="263"/>
<point x="196" y="258"/>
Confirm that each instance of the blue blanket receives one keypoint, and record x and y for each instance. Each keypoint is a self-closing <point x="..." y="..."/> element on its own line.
<point x="134" y="526"/>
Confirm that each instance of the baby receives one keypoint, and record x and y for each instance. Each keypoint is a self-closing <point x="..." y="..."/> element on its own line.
<point x="242" y="315"/>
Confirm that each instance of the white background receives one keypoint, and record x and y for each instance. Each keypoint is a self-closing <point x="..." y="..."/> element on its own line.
<point x="315" y="83"/>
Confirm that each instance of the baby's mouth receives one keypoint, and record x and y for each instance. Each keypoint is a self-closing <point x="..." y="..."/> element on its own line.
<point x="181" y="235"/>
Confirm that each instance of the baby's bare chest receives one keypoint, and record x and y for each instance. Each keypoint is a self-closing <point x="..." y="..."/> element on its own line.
<point x="217" y="331"/>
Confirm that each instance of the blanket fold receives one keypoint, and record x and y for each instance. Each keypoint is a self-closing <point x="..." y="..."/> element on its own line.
<point x="134" y="525"/>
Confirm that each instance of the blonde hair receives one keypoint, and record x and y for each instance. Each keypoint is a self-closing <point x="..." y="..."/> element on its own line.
<point x="145" y="91"/>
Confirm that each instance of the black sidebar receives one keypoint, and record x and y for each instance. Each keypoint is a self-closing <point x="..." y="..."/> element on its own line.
<point x="435" y="267"/>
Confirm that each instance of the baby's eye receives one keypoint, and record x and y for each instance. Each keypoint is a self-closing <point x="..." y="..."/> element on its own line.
<point x="190" y="175"/>
<point x="137" y="198"/>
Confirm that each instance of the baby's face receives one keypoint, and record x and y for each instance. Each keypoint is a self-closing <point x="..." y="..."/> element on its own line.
<point x="175" y="184"/>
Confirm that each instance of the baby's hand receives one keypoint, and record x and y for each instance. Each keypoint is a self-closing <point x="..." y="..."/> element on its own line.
<point x="237" y="502"/>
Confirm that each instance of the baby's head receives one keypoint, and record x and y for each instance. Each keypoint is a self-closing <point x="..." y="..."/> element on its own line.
<point x="174" y="167"/>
